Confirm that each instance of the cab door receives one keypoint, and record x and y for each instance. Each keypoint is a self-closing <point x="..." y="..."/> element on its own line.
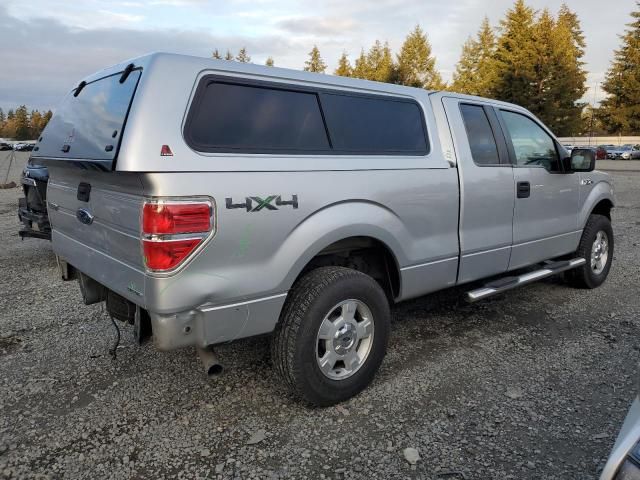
<point x="486" y="188"/>
<point x="545" y="215"/>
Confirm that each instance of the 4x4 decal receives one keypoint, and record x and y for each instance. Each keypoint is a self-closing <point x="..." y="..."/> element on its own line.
<point x="255" y="204"/>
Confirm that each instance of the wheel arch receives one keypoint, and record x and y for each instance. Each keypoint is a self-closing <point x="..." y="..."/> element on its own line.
<point x="599" y="201"/>
<point x="347" y="234"/>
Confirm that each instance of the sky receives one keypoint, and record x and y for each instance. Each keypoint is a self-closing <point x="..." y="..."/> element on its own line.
<point x="47" y="46"/>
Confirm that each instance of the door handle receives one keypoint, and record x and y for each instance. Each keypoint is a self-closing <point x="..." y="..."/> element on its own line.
<point x="523" y="190"/>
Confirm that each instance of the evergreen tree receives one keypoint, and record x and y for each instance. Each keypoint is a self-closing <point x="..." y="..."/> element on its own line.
<point x="344" y="68"/>
<point x="243" y="56"/>
<point x="380" y="63"/>
<point x="21" y="123"/>
<point x="475" y="71"/>
<point x="228" y="56"/>
<point x="315" y="62"/>
<point x="2" y="117"/>
<point x="416" y="65"/>
<point x="565" y="84"/>
<point x="538" y="64"/>
<point x="216" y="54"/>
<point x="269" y="62"/>
<point x="620" y="110"/>
<point x="45" y="119"/>
<point x="515" y="54"/>
<point x="10" y="114"/>
<point x="361" y="68"/>
<point x="35" y="124"/>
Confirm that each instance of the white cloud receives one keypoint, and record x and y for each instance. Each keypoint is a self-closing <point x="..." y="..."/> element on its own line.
<point x="53" y="43"/>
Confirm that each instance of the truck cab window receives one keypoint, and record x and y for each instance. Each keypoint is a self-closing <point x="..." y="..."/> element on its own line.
<point x="481" y="140"/>
<point x="531" y="144"/>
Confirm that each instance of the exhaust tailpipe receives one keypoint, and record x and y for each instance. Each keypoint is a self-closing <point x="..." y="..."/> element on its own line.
<point x="212" y="365"/>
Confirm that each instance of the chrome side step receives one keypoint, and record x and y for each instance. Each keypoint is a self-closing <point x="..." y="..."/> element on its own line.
<point x="507" y="283"/>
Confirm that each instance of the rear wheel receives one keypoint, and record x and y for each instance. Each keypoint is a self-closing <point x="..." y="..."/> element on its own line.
<point x="332" y="335"/>
<point x="596" y="247"/>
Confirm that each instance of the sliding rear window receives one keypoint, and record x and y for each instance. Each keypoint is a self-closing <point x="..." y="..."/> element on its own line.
<point x="258" y="117"/>
<point x="89" y="126"/>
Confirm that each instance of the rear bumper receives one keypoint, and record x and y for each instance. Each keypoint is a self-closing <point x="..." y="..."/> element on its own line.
<point x="202" y="325"/>
<point x="210" y="325"/>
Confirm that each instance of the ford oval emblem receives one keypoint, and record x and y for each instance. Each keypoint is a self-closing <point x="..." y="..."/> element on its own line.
<point x="84" y="216"/>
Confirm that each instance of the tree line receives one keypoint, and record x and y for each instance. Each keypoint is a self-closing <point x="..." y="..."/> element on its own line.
<point x="21" y="124"/>
<point x="531" y="58"/>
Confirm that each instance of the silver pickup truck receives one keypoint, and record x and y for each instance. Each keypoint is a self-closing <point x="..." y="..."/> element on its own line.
<point x="206" y="201"/>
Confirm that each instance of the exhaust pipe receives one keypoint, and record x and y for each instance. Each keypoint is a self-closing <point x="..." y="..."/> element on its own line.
<point x="212" y="365"/>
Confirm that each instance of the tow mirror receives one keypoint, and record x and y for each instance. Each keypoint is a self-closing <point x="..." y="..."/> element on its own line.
<point x="581" y="160"/>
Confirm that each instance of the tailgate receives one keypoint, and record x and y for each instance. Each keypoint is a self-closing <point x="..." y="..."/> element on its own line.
<point x="95" y="218"/>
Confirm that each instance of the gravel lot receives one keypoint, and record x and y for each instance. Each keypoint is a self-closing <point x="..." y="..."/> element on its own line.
<point x="531" y="384"/>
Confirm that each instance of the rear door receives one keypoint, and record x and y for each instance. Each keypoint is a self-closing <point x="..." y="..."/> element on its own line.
<point x="545" y="219"/>
<point x="486" y="189"/>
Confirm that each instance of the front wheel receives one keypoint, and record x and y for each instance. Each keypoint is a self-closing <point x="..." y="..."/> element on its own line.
<point x="596" y="247"/>
<point x="332" y="335"/>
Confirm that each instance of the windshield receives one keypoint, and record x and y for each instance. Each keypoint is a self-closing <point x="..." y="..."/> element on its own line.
<point x="89" y="126"/>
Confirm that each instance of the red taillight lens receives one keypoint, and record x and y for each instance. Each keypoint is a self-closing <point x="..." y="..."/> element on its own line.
<point x="172" y="218"/>
<point x="167" y="254"/>
<point x="172" y="229"/>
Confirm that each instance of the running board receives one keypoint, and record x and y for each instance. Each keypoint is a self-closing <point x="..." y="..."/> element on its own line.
<point x="507" y="283"/>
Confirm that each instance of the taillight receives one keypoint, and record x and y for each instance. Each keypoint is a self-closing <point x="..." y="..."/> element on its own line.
<point x="172" y="229"/>
<point x="170" y="218"/>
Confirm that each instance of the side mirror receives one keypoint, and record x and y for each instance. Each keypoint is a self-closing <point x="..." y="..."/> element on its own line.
<point x="581" y="160"/>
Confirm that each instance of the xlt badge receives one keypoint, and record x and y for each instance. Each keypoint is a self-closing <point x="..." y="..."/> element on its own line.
<point x="255" y="204"/>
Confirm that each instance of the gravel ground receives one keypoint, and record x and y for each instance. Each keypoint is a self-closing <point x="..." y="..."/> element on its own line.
<point x="531" y="384"/>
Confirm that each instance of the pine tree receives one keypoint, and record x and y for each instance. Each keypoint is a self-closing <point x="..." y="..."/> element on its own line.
<point x="229" y="56"/>
<point x="35" y="123"/>
<point x="2" y="117"/>
<point x="475" y="71"/>
<point x="216" y="54"/>
<point x="361" y="68"/>
<point x="344" y="68"/>
<point x="620" y="110"/>
<point x="21" y="123"/>
<point x="269" y="62"/>
<point x="538" y="64"/>
<point x="45" y="118"/>
<point x="416" y="65"/>
<point x="243" y="56"/>
<point x="380" y="63"/>
<point x="10" y="114"/>
<point x="315" y="62"/>
<point x="515" y="51"/>
<point x="566" y="82"/>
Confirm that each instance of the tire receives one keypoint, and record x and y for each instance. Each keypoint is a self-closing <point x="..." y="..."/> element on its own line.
<point x="587" y="276"/>
<point x="326" y="297"/>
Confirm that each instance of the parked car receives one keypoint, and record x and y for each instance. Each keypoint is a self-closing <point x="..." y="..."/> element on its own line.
<point x="23" y="147"/>
<point x="624" y="461"/>
<point x="5" y="146"/>
<point x="32" y="208"/>
<point x="601" y="153"/>
<point x="244" y="200"/>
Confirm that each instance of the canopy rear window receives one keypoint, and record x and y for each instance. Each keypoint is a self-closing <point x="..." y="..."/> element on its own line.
<point x="88" y="127"/>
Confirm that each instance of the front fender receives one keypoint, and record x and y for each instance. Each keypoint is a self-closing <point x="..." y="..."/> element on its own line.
<point x="602" y="190"/>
